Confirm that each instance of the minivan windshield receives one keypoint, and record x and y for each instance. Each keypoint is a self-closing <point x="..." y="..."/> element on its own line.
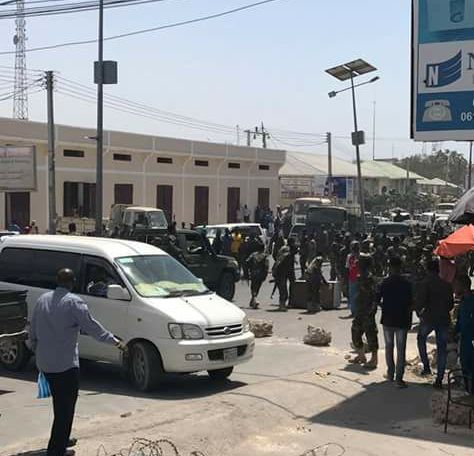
<point x="155" y="276"/>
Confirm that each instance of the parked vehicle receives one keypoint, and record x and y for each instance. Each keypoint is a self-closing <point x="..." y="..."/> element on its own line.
<point x="245" y="229"/>
<point x="168" y="318"/>
<point x="296" y="231"/>
<point x="136" y="222"/>
<point x="445" y="208"/>
<point x="392" y="229"/>
<point x="331" y="216"/>
<point x="302" y="205"/>
<point x="219" y="272"/>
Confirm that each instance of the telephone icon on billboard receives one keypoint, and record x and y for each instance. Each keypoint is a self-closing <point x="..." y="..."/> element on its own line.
<point x="457" y="10"/>
<point x="437" y="111"/>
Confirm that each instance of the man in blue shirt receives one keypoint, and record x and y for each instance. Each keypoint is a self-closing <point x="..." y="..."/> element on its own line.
<point x="58" y="318"/>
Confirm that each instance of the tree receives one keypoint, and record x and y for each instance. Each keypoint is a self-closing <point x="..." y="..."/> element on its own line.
<point x="447" y="165"/>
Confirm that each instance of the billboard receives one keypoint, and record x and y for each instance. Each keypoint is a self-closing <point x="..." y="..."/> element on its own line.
<point x="443" y="70"/>
<point x="17" y="169"/>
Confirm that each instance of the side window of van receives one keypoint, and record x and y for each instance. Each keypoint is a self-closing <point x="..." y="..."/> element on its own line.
<point x="47" y="263"/>
<point x="16" y="266"/>
<point x="98" y="275"/>
<point x="34" y="267"/>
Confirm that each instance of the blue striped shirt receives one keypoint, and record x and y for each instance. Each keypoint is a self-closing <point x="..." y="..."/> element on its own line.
<point x="58" y="318"/>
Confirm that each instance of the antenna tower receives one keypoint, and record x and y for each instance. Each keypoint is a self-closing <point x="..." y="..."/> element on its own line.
<point x="20" y="95"/>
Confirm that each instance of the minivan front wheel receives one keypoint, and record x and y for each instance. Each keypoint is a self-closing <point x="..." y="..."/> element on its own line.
<point x="14" y="354"/>
<point x="146" y="369"/>
<point x="226" y="288"/>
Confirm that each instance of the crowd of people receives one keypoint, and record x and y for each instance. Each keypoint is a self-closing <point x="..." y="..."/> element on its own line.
<point x="402" y="276"/>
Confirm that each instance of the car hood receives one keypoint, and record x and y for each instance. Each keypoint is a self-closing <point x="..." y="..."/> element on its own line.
<point x="204" y="310"/>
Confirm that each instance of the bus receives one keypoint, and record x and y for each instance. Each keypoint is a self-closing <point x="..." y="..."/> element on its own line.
<point x="301" y="206"/>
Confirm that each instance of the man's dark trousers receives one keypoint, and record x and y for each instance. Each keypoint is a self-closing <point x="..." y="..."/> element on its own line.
<point x="64" y="388"/>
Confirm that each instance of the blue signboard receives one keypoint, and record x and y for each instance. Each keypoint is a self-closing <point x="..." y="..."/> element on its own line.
<point x="443" y="70"/>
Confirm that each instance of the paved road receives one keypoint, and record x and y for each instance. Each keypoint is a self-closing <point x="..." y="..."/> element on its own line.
<point x="288" y="399"/>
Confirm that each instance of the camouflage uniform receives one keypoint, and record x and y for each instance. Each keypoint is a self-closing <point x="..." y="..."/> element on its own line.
<point x="257" y="265"/>
<point x="284" y="271"/>
<point x="364" y="321"/>
<point x="314" y="279"/>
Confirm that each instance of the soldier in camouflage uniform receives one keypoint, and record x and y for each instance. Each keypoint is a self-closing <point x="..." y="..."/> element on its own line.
<point x="364" y="320"/>
<point x="257" y="266"/>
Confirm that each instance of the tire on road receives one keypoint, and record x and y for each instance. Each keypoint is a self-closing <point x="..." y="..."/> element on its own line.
<point x="145" y="366"/>
<point x="220" y="375"/>
<point x="226" y="286"/>
<point x="14" y="354"/>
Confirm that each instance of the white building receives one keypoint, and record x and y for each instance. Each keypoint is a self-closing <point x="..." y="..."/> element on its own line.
<point x="193" y="181"/>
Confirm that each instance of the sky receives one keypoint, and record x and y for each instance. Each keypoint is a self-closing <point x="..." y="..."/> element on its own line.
<point x="265" y="64"/>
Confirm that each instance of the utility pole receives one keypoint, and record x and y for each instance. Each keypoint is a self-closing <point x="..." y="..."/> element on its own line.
<point x="237" y="130"/>
<point x="99" y="193"/>
<point x="249" y="140"/>
<point x="469" y="176"/>
<point x="329" y="141"/>
<point x="263" y="133"/>
<point x="51" y="155"/>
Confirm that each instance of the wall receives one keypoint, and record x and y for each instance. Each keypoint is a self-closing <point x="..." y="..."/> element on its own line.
<point x="144" y="172"/>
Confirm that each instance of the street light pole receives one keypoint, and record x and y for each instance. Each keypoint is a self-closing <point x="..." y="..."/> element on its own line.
<point x="99" y="192"/>
<point x="345" y="72"/>
<point x="359" y="170"/>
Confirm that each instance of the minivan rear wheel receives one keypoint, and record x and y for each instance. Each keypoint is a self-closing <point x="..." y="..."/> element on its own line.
<point x="226" y="287"/>
<point x="14" y="354"/>
<point x="146" y="368"/>
<point x="220" y="375"/>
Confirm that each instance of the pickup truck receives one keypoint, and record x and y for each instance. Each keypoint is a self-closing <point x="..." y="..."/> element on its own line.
<point x="13" y="318"/>
<point x="219" y="272"/>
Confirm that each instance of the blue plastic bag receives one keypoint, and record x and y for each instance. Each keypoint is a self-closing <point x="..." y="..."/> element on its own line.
<point x="43" y="387"/>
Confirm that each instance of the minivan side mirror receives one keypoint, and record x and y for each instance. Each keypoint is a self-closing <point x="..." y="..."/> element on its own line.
<point x="118" y="293"/>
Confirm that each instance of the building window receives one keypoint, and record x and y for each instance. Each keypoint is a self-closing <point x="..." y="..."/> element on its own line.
<point x="165" y="160"/>
<point x="73" y="153"/>
<point x="233" y="165"/>
<point x="123" y="157"/>
<point x="79" y="199"/>
<point x="201" y="163"/>
<point x="264" y="167"/>
<point x="123" y="193"/>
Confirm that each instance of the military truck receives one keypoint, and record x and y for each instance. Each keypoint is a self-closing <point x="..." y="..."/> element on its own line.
<point x="136" y="222"/>
<point x="220" y="273"/>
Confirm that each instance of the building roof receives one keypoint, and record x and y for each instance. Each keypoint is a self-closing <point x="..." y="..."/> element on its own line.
<point x="387" y="170"/>
<point x="435" y="182"/>
<point x="302" y="164"/>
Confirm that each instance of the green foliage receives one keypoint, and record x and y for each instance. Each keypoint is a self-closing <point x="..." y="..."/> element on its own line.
<point x="411" y="201"/>
<point x="444" y="164"/>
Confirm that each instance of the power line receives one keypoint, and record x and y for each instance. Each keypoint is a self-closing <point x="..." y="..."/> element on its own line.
<point x="76" y="7"/>
<point x="136" y="105"/>
<point x="122" y="107"/>
<point x="149" y="30"/>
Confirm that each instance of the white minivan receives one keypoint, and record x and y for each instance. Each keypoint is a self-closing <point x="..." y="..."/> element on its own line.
<point x="170" y="321"/>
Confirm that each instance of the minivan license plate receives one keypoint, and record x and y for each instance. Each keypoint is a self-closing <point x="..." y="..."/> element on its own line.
<point x="230" y="354"/>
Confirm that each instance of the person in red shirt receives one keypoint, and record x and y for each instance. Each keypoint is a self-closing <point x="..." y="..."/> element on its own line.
<point x="352" y="265"/>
